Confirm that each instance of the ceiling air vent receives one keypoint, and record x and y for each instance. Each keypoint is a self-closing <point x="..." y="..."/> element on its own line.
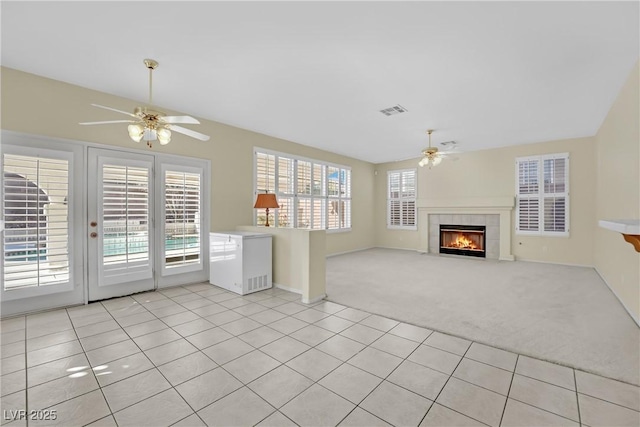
<point x="396" y="109"/>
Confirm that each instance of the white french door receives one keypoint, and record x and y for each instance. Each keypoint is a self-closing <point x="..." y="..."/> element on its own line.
<point x="85" y="222"/>
<point x="120" y="223"/>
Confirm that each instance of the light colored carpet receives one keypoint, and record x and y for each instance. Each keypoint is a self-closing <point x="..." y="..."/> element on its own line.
<point x="558" y="313"/>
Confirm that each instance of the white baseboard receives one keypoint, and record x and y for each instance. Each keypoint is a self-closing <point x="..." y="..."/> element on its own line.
<point x="349" y="252"/>
<point x="554" y="263"/>
<point x="314" y="300"/>
<point x="400" y="249"/>
<point x="635" y="319"/>
<point x="299" y="292"/>
<point x="287" y="288"/>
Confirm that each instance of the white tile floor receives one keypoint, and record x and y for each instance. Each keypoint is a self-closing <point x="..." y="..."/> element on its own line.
<point x="198" y="355"/>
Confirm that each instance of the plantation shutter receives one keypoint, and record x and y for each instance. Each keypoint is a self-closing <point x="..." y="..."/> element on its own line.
<point x="126" y="233"/>
<point x="35" y="243"/>
<point x="401" y="199"/>
<point x="528" y="195"/>
<point x="182" y="218"/>
<point x="555" y="194"/>
<point x="311" y="194"/>
<point x="542" y="189"/>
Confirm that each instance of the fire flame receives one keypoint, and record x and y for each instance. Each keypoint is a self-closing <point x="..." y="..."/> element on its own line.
<point x="463" y="242"/>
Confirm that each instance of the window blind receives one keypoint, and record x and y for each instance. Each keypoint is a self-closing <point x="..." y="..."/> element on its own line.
<point x="125" y="212"/>
<point x="401" y="199"/>
<point x="543" y="194"/>
<point x="182" y="218"/>
<point x="35" y="210"/>
<point x="311" y="194"/>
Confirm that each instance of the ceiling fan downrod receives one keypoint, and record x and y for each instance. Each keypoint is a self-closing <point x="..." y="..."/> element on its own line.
<point x="151" y="64"/>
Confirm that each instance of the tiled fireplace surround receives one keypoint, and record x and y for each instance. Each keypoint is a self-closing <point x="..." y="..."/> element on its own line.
<point x="494" y="213"/>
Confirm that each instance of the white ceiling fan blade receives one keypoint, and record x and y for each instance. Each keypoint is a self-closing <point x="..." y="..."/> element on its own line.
<point x="180" y="119"/>
<point x="189" y="132"/>
<point x="108" y="122"/>
<point x="113" y="109"/>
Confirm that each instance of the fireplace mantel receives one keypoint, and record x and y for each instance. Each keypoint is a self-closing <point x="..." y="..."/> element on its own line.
<point x="502" y="206"/>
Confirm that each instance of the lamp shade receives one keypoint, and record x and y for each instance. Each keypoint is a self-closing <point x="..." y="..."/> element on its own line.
<point x="266" y="200"/>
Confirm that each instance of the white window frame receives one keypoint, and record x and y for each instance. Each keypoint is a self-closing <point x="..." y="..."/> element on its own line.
<point x="196" y="266"/>
<point x="297" y="197"/>
<point x="541" y="195"/>
<point x="75" y="264"/>
<point x="402" y="200"/>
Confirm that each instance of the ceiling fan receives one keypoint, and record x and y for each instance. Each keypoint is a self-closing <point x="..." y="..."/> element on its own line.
<point x="151" y="125"/>
<point x="432" y="156"/>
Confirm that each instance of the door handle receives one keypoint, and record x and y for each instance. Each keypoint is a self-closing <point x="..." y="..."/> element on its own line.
<point x="93" y="235"/>
<point x="93" y="223"/>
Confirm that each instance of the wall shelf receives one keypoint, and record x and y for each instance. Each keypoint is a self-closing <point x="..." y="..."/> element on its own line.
<point x="629" y="228"/>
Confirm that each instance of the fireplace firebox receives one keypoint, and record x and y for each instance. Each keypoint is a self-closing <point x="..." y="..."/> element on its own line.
<point x="467" y="240"/>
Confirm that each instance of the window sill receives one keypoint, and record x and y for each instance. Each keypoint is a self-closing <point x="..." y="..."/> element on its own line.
<point x="542" y="234"/>
<point x="412" y="228"/>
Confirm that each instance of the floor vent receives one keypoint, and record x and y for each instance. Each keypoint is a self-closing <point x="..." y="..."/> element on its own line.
<point x="396" y="109"/>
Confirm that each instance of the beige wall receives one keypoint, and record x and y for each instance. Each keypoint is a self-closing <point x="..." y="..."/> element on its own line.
<point x="618" y="193"/>
<point x="491" y="174"/>
<point x="299" y="261"/>
<point x="36" y="105"/>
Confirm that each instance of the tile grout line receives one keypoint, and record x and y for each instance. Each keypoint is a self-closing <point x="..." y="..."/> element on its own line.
<point x="242" y="383"/>
<point x="542" y="409"/>
<point x="229" y="373"/>
<point x="67" y="400"/>
<point x="306" y="324"/>
<point x="111" y="412"/>
<point x="513" y="374"/>
<point x="575" y="382"/>
<point x="445" y="385"/>
<point x="91" y="369"/>
<point x="493" y="346"/>
<point x="385" y="378"/>
<point x="154" y="366"/>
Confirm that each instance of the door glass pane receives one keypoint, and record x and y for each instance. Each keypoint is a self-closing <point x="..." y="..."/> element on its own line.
<point x="182" y="218"/>
<point x="35" y="209"/>
<point x="125" y="215"/>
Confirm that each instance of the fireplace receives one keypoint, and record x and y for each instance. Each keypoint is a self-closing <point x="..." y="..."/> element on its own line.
<point x="467" y="240"/>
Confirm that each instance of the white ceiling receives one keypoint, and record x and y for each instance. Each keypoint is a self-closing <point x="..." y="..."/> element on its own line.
<point x="317" y="73"/>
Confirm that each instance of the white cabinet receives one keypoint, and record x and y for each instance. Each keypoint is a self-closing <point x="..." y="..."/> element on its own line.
<point x="240" y="261"/>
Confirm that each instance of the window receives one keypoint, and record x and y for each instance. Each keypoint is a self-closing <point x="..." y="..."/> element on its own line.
<point x="125" y="213"/>
<point x="36" y="243"/>
<point x="311" y="194"/>
<point x="542" y="191"/>
<point x="182" y="218"/>
<point x="401" y="199"/>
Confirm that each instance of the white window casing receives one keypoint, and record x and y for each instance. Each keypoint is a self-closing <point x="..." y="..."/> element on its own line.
<point x="182" y="219"/>
<point x="38" y="210"/>
<point x="311" y="194"/>
<point x="542" y="195"/>
<point x="401" y="199"/>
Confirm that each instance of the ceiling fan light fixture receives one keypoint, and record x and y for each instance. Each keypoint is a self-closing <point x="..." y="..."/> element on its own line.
<point x="431" y="155"/>
<point x="164" y="136"/>
<point x="150" y="134"/>
<point x="151" y="125"/>
<point x="136" y="132"/>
